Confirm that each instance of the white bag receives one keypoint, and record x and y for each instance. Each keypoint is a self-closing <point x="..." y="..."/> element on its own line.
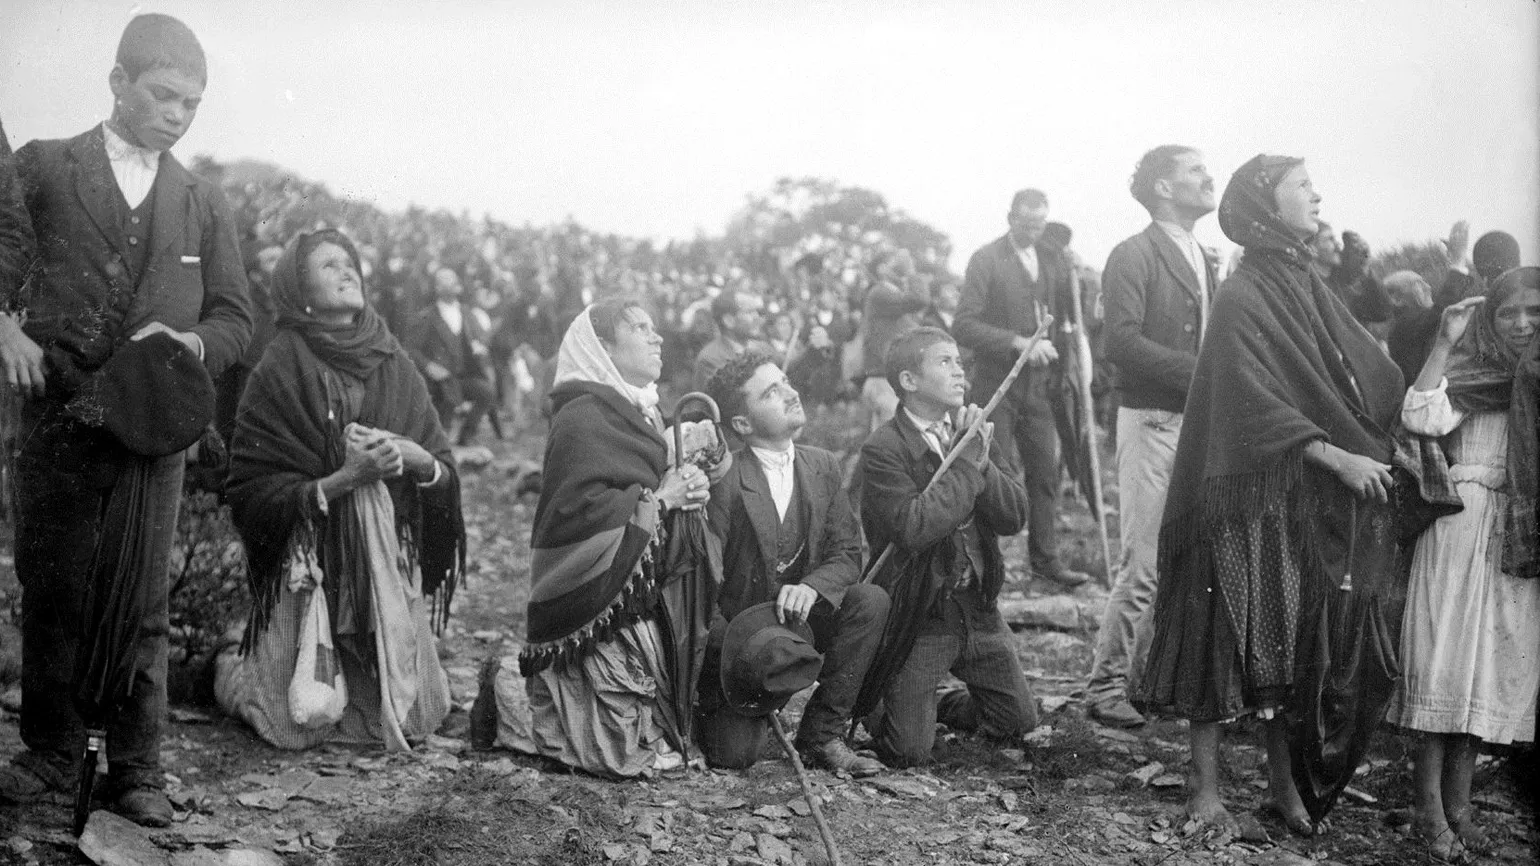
<point x="317" y="694"/>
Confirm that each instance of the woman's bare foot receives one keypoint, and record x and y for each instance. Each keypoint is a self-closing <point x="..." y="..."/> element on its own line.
<point x="1296" y="818"/>
<point x="1207" y="809"/>
<point x="1443" y="842"/>
<point x="1472" y="837"/>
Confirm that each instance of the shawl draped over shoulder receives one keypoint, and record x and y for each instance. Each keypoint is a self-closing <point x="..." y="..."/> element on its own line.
<point x="289" y="435"/>
<point x="1488" y="375"/>
<point x="597" y="533"/>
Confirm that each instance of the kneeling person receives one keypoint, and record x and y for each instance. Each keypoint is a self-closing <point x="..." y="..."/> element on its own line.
<point x="789" y="538"/>
<point x="946" y="571"/>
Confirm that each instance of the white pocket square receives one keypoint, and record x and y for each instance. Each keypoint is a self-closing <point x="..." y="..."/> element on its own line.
<point x="191" y="260"/>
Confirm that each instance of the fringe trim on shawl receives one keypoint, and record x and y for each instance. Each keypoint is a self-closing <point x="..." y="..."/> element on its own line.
<point x="266" y="587"/>
<point x="635" y="600"/>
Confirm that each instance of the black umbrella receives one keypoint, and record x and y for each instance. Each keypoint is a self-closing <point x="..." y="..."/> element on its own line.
<point x="1346" y="667"/>
<point x="692" y="571"/>
<point x="115" y="605"/>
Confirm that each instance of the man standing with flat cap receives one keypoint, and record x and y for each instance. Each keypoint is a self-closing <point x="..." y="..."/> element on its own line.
<point x="128" y="245"/>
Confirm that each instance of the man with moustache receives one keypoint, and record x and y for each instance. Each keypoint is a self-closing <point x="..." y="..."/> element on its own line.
<point x="789" y="537"/>
<point x="129" y="246"/>
<point x="1010" y="284"/>
<point x="1156" y="290"/>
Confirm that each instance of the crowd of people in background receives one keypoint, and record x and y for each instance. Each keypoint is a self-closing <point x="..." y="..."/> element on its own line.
<point x="1296" y="424"/>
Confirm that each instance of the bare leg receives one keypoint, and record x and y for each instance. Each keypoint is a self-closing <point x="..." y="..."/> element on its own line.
<point x="1203" y="804"/>
<point x="1280" y="781"/>
<point x="1458" y="769"/>
<point x="1428" y="775"/>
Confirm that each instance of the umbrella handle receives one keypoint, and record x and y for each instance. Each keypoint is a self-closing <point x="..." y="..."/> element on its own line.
<point x="712" y="412"/>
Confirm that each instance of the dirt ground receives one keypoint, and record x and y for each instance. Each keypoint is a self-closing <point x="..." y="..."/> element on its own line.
<point x="1073" y="793"/>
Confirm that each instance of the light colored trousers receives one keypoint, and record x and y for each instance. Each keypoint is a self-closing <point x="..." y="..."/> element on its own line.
<point x="1146" y="451"/>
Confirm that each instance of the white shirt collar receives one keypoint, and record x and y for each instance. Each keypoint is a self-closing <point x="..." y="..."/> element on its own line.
<point x="775" y="461"/>
<point x="931" y="439"/>
<point x="119" y="150"/>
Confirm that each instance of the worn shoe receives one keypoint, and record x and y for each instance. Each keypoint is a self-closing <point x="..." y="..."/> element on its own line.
<point x="33" y="777"/>
<point x="1117" y="714"/>
<point x="145" y="806"/>
<point x="836" y="756"/>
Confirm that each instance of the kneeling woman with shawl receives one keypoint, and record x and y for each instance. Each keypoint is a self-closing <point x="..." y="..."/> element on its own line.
<point x="1280" y="486"/>
<point x="600" y="691"/>
<point x="341" y="483"/>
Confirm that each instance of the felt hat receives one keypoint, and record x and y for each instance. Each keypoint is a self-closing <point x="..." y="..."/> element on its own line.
<point x="765" y="662"/>
<point x="153" y="395"/>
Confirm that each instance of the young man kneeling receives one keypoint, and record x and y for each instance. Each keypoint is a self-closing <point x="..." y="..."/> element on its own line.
<point x="789" y="538"/>
<point x="946" y="570"/>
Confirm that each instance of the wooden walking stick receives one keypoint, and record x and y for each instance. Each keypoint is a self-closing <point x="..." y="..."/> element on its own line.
<point x="1085" y="369"/>
<point x="1044" y="322"/>
<point x="807" y="790"/>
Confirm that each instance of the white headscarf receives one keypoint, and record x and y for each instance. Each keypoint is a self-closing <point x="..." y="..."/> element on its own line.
<point x="582" y="358"/>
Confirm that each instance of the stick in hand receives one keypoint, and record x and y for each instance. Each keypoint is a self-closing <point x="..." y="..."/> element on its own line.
<point x="1044" y="322"/>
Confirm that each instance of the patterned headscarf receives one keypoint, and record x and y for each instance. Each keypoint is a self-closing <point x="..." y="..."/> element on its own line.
<point x="1248" y="213"/>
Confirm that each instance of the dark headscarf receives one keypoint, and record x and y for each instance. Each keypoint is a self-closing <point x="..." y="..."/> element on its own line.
<point x="290" y="431"/>
<point x="355" y="348"/>
<point x="1487" y="374"/>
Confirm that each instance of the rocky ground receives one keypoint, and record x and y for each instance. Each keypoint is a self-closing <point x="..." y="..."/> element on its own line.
<point x="1073" y="793"/>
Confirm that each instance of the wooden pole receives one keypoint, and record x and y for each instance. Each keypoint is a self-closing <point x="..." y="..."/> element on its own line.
<point x="1086" y="368"/>
<point x="807" y="790"/>
<point x="1044" y="322"/>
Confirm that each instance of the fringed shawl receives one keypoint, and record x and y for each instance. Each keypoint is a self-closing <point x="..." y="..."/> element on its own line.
<point x="289" y="435"/>
<point x="1283" y="362"/>
<point x="597" y="531"/>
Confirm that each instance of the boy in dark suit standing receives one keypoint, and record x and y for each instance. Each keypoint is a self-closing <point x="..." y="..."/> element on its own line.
<point x="946" y="571"/>
<point x="128" y="244"/>
<point x="788" y="537"/>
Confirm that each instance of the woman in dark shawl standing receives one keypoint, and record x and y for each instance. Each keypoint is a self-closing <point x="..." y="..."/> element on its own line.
<point x="341" y="480"/>
<point x="1282" y="476"/>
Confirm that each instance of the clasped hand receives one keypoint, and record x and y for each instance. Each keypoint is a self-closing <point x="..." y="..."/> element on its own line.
<point x="977" y="449"/>
<point x="684" y="487"/>
<point x="375" y="455"/>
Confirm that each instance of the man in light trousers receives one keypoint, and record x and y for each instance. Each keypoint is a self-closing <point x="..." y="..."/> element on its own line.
<point x="1156" y="290"/>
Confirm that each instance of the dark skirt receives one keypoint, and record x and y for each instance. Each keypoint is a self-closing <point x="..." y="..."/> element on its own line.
<point x="1230" y="604"/>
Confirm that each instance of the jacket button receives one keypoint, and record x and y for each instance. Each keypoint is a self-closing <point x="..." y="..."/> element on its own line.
<point x="114" y="269"/>
<point x="1187" y="327"/>
<point x="133" y="242"/>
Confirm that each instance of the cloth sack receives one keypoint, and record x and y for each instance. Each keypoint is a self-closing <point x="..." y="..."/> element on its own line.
<point x="317" y="694"/>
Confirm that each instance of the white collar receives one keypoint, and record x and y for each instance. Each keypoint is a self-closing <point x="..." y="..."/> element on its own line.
<point x="120" y="149"/>
<point x="780" y="461"/>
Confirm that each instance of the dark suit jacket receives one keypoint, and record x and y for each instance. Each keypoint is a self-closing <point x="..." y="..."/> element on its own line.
<point x="16" y="239"/>
<point x="896" y="464"/>
<point x="434" y="342"/>
<point x="193" y="280"/>
<point x="1154" y="317"/>
<point x="889" y="310"/>
<point x="742" y="514"/>
<point x="997" y="306"/>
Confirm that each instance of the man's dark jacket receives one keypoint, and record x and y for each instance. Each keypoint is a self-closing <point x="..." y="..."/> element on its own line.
<point x="742" y="514"/>
<point x="999" y="303"/>
<point x="433" y="341"/>
<point x="896" y="465"/>
<point x="193" y="279"/>
<point x="1154" y="318"/>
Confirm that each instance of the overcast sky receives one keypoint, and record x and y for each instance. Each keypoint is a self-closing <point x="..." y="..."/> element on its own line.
<point x="657" y="118"/>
